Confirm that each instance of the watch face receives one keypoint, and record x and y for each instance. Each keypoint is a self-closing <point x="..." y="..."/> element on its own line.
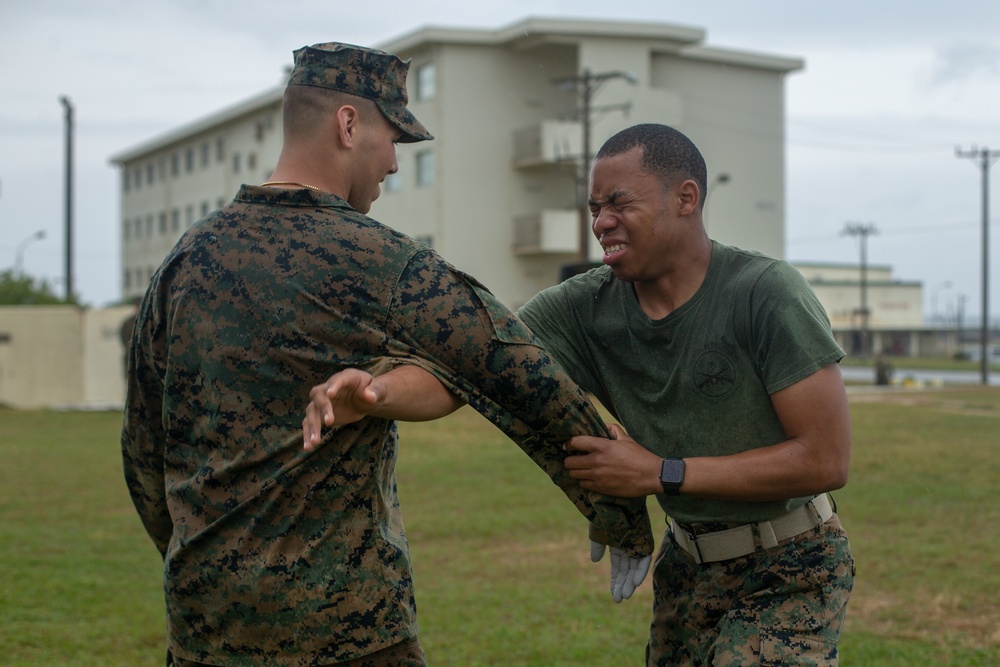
<point x="672" y="475"/>
<point x="672" y="472"/>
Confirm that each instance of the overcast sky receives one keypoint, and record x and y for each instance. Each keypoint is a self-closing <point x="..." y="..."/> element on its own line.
<point x="888" y="92"/>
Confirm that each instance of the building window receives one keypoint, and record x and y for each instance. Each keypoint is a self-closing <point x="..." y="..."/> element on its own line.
<point x="426" y="82"/>
<point x="220" y="202"/>
<point x="392" y="183"/>
<point x="205" y="153"/>
<point x="252" y="161"/>
<point x="426" y="239"/>
<point x="189" y="216"/>
<point x="150" y="172"/>
<point x="425" y="168"/>
<point x="161" y="169"/>
<point x="137" y="177"/>
<point x="236" y="163"/>
<point x="189" y="160"/>
<point x="124" y="181"/>
<point x="138" y="227"/>
<point x="149" y="226"/>
<point x="175" y="164"/>
<point x="220" y="149"/>
<point x="126" y="229"/>
<point x="127" y="279"/>
<point x="138" y="278"/>
<point x="163" y="223"/>
<point x="204" y="209"/>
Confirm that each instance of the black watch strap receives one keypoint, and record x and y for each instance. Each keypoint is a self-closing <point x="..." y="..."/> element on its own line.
<point x="672" y="475"/>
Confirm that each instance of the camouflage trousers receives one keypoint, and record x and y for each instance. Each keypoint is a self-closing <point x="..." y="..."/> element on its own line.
<point x="407" y="653"/>
<point x="780" y="606"/>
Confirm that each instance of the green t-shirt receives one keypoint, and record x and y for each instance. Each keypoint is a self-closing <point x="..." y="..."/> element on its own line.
<point x="698" y="381"/>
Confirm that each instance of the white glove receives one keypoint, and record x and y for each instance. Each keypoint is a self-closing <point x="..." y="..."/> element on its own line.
<point x="626" y="572"/>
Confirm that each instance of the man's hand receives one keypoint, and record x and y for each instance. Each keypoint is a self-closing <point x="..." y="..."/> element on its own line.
<point x="406" y="393"/>
<point x="345" y="398"/>
<point x="626" y="573"/>
<point x="620" y="467"/>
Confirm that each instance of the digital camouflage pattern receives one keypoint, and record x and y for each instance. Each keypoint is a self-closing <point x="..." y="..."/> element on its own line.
<point x="361" y="71"/>
<point x="781" y="606"/>
<point x="274" y="555"/>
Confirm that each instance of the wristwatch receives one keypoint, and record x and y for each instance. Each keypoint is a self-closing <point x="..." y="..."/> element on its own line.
<point x="672" y="475"/>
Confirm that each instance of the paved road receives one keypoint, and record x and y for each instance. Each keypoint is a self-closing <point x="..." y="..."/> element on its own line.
<point x="861" y="374"/>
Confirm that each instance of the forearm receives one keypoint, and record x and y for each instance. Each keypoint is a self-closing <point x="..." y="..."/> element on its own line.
<point x="789" y="469"/>
<point x="413" y="394"/>
<point x="814" y="459"/>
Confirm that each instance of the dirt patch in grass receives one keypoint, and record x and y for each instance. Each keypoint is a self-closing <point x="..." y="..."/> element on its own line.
<point x="938" y="619"/>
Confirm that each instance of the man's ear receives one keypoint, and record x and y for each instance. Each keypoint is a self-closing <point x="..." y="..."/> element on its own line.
<point x="688" y="197"/>
<point x="347" y="125"/>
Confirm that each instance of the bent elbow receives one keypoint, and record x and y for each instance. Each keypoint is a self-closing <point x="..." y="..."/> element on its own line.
<point x="838" y="480"/>
<point x="835" y="476"/>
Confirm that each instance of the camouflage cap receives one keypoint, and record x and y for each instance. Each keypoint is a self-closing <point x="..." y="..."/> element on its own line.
<point x="370" y="73"/>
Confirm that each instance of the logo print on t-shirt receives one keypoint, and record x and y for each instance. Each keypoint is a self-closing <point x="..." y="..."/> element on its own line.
<point x="714" y="374"/>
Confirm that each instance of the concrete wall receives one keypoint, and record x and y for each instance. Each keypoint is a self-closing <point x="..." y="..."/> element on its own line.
<point x="61" y="356"/>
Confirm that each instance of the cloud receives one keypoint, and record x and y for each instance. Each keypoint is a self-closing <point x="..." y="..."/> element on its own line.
<point x="966" y="63"/>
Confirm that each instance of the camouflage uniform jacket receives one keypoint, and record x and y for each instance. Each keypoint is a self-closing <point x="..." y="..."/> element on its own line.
<point x="273" y="555"/>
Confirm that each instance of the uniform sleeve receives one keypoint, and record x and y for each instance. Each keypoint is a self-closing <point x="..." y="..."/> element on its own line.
<point x="791" y="335"/>
<point x="446" y="322"/>
<point x="143" y="435"/>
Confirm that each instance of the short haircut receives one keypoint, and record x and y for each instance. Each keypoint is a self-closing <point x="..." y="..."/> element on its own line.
<point x="306" y="107"/>
<point x="666" y="153"/>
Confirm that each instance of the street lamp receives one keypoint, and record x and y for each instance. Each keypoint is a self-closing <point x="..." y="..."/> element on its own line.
<point x="19" y="257"/>
<point x="934" y="303"/>
<point x="720" y="179"/>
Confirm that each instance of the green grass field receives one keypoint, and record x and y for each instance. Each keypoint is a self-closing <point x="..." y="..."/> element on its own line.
<point x="501" y="560"/>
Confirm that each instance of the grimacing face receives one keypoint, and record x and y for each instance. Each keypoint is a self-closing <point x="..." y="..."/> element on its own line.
<point x="632" y="216"/>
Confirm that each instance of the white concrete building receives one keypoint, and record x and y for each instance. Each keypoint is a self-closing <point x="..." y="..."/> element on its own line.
<point x="895" y="310"/>
<point x="497" y="192"/>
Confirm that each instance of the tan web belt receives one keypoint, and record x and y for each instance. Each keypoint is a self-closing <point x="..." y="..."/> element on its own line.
<point x="746" y="539"/>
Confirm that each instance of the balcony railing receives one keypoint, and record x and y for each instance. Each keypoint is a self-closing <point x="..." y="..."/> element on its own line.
<point x="552" y="231"/>
<point x="550" y="142"/>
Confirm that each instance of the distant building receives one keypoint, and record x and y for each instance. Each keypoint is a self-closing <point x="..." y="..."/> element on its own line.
<point x="895" y="323"/>
<point x="497" y="193"/>
<point x="170" y="182"/>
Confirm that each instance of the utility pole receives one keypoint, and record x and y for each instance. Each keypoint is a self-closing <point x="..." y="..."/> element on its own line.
<point x="586" y="86"/>
<point x="986" y="158"/>
<point x="69" y="196"/>
<point x="863" y="230"/>
<point x="959" y="320"/>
